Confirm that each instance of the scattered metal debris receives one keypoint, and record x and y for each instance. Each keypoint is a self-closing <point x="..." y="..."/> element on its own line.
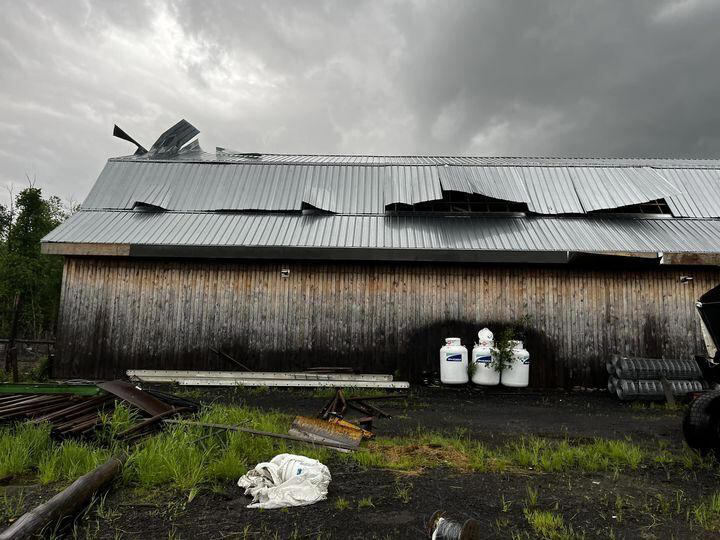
<point x="326" y="431"/>
<point x="78" y="409"/>
<point x="339" y="404"/>
<point x="297" y="438"/>
<point x="132" y="394"/>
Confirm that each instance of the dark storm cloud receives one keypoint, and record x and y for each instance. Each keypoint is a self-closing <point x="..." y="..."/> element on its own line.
<point x="504" y="78"/>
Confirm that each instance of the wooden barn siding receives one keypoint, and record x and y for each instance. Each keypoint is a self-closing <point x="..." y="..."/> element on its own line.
<point x="120" y="313"/>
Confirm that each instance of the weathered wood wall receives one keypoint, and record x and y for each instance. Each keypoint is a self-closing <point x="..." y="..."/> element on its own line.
<point x="121" y="313"/>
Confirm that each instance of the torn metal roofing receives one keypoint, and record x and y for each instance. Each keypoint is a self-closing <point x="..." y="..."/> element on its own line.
<point x="250" y="201"/>
<point x="368" y="189"/>
<point x="228" y="156"/>
<point x="177" y="176"/>
<point x="231" y="230"/>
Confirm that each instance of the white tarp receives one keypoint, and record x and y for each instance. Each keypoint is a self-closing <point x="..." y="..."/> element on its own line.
<point x="287" y="480"/>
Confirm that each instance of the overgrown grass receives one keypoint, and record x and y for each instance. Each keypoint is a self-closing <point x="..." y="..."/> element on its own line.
<point x="121" y="418"/>
<point x="599" y="455"/>
<point x="69" y="460"/>
<point x="548" y="525"/>
<point x="707" y="513"/>
<point x="427" y="450"/>
<point x="187" y="456"/>
<point x="21" y="448"/>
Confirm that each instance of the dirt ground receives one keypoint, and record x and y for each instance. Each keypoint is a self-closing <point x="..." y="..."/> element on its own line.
<point x="652" y="502"/>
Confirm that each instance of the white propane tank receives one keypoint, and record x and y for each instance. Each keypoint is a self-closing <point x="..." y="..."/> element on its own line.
<point x="485" y="372"/>
<point x="485" y="337"/>
<point x="453" y="362"/>
<point x="519" y="374"/>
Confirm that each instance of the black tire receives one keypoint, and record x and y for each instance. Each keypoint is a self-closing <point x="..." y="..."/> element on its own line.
<point x="701" y="422"/>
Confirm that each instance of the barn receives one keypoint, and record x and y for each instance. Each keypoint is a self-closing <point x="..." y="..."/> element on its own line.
<point x="292" y="261"/>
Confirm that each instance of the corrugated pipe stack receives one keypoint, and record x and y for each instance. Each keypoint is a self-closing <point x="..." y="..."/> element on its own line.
<point x="639" y="378"/>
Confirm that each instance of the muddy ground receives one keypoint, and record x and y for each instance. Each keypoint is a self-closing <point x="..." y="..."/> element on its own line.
<point x="653" y="502"/>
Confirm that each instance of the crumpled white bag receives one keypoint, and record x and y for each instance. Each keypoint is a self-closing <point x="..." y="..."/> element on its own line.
<point x="287" y="480"/>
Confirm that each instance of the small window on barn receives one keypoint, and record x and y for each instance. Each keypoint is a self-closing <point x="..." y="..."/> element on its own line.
<point x="657" y="207"/>
<point x="458" y="202"/>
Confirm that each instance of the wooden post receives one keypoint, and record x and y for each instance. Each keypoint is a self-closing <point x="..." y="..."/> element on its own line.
<point x="65" y="503"/>
<point x="11" y="352"/>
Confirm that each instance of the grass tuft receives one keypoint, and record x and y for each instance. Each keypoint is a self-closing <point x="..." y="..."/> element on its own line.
<point x="68" y="461"/>
<point x="548" y="525"/>
<point x="707" y="513"/>
<point x="341" y="504"/>
<point x="21" y="448"/>
<point x="11" y="507"/>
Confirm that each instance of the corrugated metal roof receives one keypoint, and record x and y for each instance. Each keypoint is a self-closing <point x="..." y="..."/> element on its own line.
<point x="368" y="189"/>
<point x="699" y="192"/>
<point x="496" y="182"/>
<point x="411" y="185"/>
<point x="390" y="232"/>
<point x="613" y="187"/>
<point x="550" y="190"/>
<point x="345" y="189"/>
<point x="345" y="159"/>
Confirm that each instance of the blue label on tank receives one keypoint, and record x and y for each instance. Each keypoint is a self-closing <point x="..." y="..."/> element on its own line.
<point x="453" y="357"/>
<point x="483" y="360"/>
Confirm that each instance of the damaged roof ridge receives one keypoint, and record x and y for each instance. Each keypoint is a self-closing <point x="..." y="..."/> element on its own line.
<point x="494" y="162"/>
<point x="620" y="216"/>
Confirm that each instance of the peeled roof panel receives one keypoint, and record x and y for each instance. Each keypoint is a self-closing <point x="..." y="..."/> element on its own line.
<point x="550" y="190"/>
<point x="455" y="179"/>
<point x="155" y="195"/>
<point x="411" y="185"/>
<point x="345" y="189"/>
<point x="369" y="187"/>
<point x="699" y="192"/>
<point x="613" y="187"/>
<point x="497" y="182"/>
<point x="591" y="234"/>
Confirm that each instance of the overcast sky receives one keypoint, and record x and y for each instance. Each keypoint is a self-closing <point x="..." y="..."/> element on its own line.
<point x="580" y="78"/>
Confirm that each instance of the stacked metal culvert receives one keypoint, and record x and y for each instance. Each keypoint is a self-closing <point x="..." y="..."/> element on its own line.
<point x="639" y="378"/>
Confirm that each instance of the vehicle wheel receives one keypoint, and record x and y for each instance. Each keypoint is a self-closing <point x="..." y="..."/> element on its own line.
<point x="701" y="422"/>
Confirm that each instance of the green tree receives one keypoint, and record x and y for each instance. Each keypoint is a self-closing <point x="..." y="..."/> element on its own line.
<point x="23" y="268"/>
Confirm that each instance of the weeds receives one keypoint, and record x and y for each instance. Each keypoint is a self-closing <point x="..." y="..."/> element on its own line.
<point x="365" y="502"/>
<point x="402" y="492"/>
<point x="68" y="461"/>
<point x="105" y="511"/>
<point x="532" y="497"/>
<point x="341" y="504"/>
<point x="600" y="455"/>
<point x="11" y="507"/>
<point x="707" y="513"/>
<point x="548" y="525"/>
<point x="121" y="418"/>
<point x="21" y="448"/>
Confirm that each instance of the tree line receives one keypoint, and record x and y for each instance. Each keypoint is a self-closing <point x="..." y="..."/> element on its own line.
<point x="25" y="273"/>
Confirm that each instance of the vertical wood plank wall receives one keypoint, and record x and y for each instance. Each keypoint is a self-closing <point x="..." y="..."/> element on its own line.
<point x="120" y="313"/>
